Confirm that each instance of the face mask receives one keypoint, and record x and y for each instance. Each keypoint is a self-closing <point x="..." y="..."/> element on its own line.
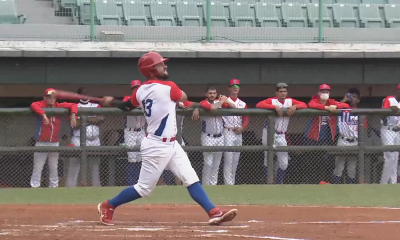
<point x="324" y="96"/>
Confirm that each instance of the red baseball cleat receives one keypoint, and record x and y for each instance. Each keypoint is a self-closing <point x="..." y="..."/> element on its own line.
<point x="218" y="216"/>
<point x="106" y="212"/>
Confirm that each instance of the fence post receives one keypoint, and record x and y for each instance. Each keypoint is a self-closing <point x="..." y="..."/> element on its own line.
<point x="84" y="160"/>
<point x="361" y="150"/>
<point x="270" y="143"/>
<point x="320" y="21"/>
<point x="92" y="23"/>
<point x="208" y="15"/>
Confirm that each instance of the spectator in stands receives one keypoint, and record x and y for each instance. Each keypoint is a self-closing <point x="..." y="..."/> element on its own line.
<point x="92" y="139"/>
<point x="47" y="135"/>
<point x="321" y="130"/>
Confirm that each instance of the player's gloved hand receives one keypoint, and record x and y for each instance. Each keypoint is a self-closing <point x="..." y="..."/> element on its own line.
<point x="291" y="110"/>
<point x="45" y="119"/>
<point x="279" y="111"/>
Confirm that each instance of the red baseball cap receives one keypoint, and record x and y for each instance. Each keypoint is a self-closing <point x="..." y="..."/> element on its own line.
<point x="324" y="87"/>
<point x="234" y="82"/>
<point x="398" y="87"/>
<point x="135" y="83"/>
<point x="49" y="91"/>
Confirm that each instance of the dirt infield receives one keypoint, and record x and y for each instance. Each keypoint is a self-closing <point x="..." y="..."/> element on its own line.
<point x="189" y="222"/>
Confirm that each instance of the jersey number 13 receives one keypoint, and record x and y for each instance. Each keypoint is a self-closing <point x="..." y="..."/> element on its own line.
<point x="147" y="104"/>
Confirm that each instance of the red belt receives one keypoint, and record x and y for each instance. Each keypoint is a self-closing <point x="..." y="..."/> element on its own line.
<point x="165" y="139"/>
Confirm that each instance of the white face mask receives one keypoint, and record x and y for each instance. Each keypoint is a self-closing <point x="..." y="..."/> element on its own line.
<point x="324" y="96"/>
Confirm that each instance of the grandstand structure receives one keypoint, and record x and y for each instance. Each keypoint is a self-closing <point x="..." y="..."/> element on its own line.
<point x="295" y="21"/>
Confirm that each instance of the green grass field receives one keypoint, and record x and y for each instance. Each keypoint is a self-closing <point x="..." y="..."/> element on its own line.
<point x="310" y="195"/>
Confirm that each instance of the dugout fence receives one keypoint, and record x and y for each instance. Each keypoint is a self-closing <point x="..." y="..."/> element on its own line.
<point x="309" y="162"/>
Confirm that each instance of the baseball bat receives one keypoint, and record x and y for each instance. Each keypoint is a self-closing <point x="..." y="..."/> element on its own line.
<point x="75" y="96"/>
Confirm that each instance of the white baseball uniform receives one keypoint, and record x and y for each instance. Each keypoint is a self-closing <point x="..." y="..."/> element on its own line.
<point x="348" y="136"/>
<point x="134" y="133"/>
<point x="390" y="135"/>
<point x="180" y="119"/>
<point x="159" y="150"/>
<point x="211" y="135"/>
<point x="231" y="159"/>
<point x="92" y="139"/>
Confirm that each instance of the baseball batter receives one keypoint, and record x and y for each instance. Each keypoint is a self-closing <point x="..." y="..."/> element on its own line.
<point x="48" y="135"/>
<point x="92" y="139"/>
<point x="234" y="126"/>
<point x="348" y="136"/>
<point x="212" y="128"/>
<point x="159" y="149"/>
<point x="134" y="133"/>
<point x="390" y="135"/>
<point x="281" y="125"/>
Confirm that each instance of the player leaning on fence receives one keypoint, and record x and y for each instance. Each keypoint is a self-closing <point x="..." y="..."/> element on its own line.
<point x="390" y="135"/>
<point x="281" y="124"/>
<point x="47" y="135"/>
<point x="348" y="136"/>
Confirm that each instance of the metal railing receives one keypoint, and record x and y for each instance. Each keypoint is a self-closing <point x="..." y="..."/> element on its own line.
<point x="203" y="20"/>
<point x="309" y="161"/>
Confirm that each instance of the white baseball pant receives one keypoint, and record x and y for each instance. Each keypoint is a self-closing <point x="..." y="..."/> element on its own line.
<point x="158" y="155"/>
<point x="133" y="139"/>
<point x="39" y="159"/>
<point x="75" y="165"/>
<point x="231" y="159"/>
<point x="389" y="172"/>
<point x="340" y="160"/>
<point x="212" y="160"/>
<point x="279" y="140"/>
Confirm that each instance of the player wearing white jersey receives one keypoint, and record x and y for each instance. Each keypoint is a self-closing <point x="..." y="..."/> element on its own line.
<point x="390" y="135"/>
<point x="348" y="136"/>
<point x="212" y="128"/>
<point x="92" y="139"/>
<point x="234" y="126"/>
<point x="281" y="125"/>
<point x="134" y="133"/>
<point x="159" y="150"/>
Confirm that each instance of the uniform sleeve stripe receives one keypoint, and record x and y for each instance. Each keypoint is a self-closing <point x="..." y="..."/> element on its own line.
<point x="161" y="128"/>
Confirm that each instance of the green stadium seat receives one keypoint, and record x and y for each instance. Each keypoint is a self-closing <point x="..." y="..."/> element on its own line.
<point x="379" y="2"/>
<point x="313" y="15"/>
<point x="218" y="15"/>
<point x="292" y="14"/>
<point x="349" y="1"/>
<point x="370" y="17"/>
<point x="8" y="13"/>
<point x="68" y="3"/>
<point x="107" y="12"/>
<point x="303" y="2"/>
<point x="326" y="2"/>
<point x="134" y="13"/>
<point x="242" y="15"/>
<point x="275" y="2"/>
<point x="251" y="2"/>
<point x="392" y="13"/>
<point x="394" y="1"/>
<point x="344" y="15"/>
<point x="161" y="13"/>
<point x="266" y="15"/>
<point x="188" y="14"/>
<point x="84" y="12"/>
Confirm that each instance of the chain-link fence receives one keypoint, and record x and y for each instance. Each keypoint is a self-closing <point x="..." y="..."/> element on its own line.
<point x="104" y="151"/>
<point x="198" y="20"/>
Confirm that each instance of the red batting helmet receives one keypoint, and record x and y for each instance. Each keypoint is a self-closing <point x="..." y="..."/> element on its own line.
<point x="146" y="63"/>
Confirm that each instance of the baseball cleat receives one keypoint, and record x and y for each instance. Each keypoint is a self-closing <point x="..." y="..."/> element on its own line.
<point x="106" y="212"/>
<point x="218" y="216"/>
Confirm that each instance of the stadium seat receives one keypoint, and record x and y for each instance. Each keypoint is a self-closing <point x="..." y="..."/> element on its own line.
<point x="68" y="3"/>
<point x="303" y="2"/>
<point x="394" y="1"/>
<point x="392" y="13"/>
<point x="161" y="13"/>
<point x="344" y="15"/>
<point x="370" y="17"/>
<point x="349" y="1"/>
<point x="84" y="12"/>
<point x="266" y="15"/>
<point x="292" y="14"/>
<point x="8" y="13"/>
<point x="275" y="2"/>
<point x="326" y="2"/>
<point x="188" y="14"/>
<point x="242" y="15"/>
<point x="251" y="2"/>
<point x="379" y="2"/>
<point x="107" y="12"/>
<point x="313" y="15"/>
<point x="134" y="13"/>
<point x="218" y="15"/>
